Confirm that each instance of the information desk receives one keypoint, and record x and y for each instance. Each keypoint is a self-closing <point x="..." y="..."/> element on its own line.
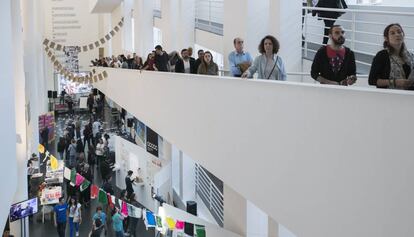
<point x="54" y="176"/>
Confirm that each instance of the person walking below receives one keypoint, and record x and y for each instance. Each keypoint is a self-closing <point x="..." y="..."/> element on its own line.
<point x="329" y="17"/>
<point x="60" y="217"/>
<point x="61" y="148"/>
<point x="117" y="224"/>
<point x="75" y="216"/>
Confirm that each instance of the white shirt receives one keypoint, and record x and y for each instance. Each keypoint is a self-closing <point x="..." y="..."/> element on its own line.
<point x="99" y="149"/>
<point x="95" y="128"/>
<point x="74" y="211"/>
<point x="186" y="66"/>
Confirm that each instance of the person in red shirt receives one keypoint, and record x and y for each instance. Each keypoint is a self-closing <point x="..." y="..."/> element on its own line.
<point x="334" y="63"/>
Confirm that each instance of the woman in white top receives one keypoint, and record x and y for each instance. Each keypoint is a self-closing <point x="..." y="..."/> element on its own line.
<point x="268" y="65"/>
<point x="75" y="216"/>
<point x="99" y="151"/>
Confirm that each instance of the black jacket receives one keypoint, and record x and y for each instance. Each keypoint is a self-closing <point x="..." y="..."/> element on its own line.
<point x="381" y="67"/>
<point x="321" y="66"/>
<point x="330" y="4"/>
<point x="179" y="66"/>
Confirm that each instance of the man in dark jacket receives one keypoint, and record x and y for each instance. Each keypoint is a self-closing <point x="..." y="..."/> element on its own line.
<point x="199" y="59"/>
<point x="161" y="59"/>
<point x="185" y="64"/>
<point x="332" y="15"/>
<point x="334" y="63"/>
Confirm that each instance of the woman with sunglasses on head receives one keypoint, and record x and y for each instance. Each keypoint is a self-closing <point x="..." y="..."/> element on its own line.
<point x="208" y="66"/>
<point x="268" y="65"/>
<point x="392" y="66"/>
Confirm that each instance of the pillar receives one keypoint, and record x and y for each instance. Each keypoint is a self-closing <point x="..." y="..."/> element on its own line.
<point x="287" y="28"/>
<point x="7" y="105"/>
<point x="127" y="43"/>
<point x="249" y="19"/>
<point x="143" y="27"/>
<point x="20" y="117"/>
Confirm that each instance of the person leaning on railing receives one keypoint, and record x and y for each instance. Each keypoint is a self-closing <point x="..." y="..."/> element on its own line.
<point x="392" y="67"/>
<point x="208" y="66"/>
<point x="334" y="63"/>
<point x="268" y="65"/>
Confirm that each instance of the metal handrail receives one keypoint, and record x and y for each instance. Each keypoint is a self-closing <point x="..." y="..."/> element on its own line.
<point x="206" y="188"/>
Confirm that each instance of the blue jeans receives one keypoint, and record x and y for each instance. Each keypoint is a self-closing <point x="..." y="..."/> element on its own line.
<point x="119" y="233"/>
<point x="72" y="226"/>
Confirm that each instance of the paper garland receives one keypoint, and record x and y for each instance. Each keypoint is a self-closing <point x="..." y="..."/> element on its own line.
<point x="54" y="164"/>
<point x="71" y="76"/>
<point x="90" y="46"/>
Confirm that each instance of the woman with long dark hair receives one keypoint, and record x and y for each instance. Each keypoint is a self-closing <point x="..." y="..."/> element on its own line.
<point x="75" y="216"/>
<point x="392" y="66"/>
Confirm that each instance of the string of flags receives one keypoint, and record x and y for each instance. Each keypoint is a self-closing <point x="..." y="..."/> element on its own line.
<point x="89" y="78"/>
<point x="150" y="219"/>
<point x="90" y="46"/>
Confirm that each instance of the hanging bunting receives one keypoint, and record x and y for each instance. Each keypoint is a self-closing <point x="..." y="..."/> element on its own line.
<point x="95" y="78"/>
<point x="150" y="219"/>
<point x="116" y="28"/>
<point x="159" y="222"/>
<point x="107" y="37"/>
<point x="170" y="223"/>
<point x="134" y="212"/>
<point x="102" y="198"/>
<point x="103" y="41"/>
<point x="179" y="225"/>
<point x="200" y="231"/>
<point x="105" y="74"/>
<point x="67" y="173"/>
<point x="124" y="209"/>
<point x="100" y="76"/>
<point x="85" y="48"/>
<point x="52" y="45"/>
<point x="73" y="177"/>
<point x="46" y="42"/>
<point x="111" y="204"/>
<point x="79" y="179"/>
<point x="85" y="184"/>
<point x="90" y="46"/>
<point x="54" y="164"/>
<point x="41" y="149"/>
<point x="112" y="33"/>
<point x="94" y="191"/>
<point x="120" y="23"/>
<point x="96" y="44"/>
<point x="59" y="47"/>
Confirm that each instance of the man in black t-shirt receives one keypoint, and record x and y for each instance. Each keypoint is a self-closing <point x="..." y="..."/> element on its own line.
<point x="161" y="59"/>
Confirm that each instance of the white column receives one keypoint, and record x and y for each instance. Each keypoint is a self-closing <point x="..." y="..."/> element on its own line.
<point x="249" y="19"/>
<point x="20" y="117"/>
<point x="144" y="23"/>
<point x="127" y="28"/>
<point x="170" y="25"/>
<point x="235" y="211"/>
<point x="286" y="27"/>
<point x="7" y="105"/>
<point x="105" y="26"/>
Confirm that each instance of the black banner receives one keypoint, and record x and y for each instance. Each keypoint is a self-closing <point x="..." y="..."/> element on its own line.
<point x="152" y="142"/>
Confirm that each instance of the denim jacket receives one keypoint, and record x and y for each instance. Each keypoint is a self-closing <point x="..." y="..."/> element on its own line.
<point x="259" y="64"/>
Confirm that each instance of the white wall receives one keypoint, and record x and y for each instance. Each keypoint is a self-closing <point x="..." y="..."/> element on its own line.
<point x="135" y="157"/>
<point x="7" y="105"/>
<point x="256" y="221"/>
<point x="117" y="46"/>
<point x="188" y="179"/>
<point x="321" y="160"/>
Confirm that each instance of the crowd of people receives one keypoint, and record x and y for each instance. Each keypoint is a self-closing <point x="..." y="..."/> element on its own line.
<point x="84" y="147"/>
<point x="333" y="63"/>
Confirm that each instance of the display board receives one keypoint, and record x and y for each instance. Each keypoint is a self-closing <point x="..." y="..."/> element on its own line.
<point x="130" y="156"/>
<point x="47" y="120"/>
<point x="152" y="141"/>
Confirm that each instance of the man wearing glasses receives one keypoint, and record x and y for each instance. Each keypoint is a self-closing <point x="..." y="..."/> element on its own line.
<point x="334" y="63"/>
<point x="239" y="60"/>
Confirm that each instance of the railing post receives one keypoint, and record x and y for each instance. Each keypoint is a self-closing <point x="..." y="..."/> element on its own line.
<point x="353" y="31"/>
<point x="306" y="32"/>
<point x="211" y="195"/>
<point x="196" y="180"/>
